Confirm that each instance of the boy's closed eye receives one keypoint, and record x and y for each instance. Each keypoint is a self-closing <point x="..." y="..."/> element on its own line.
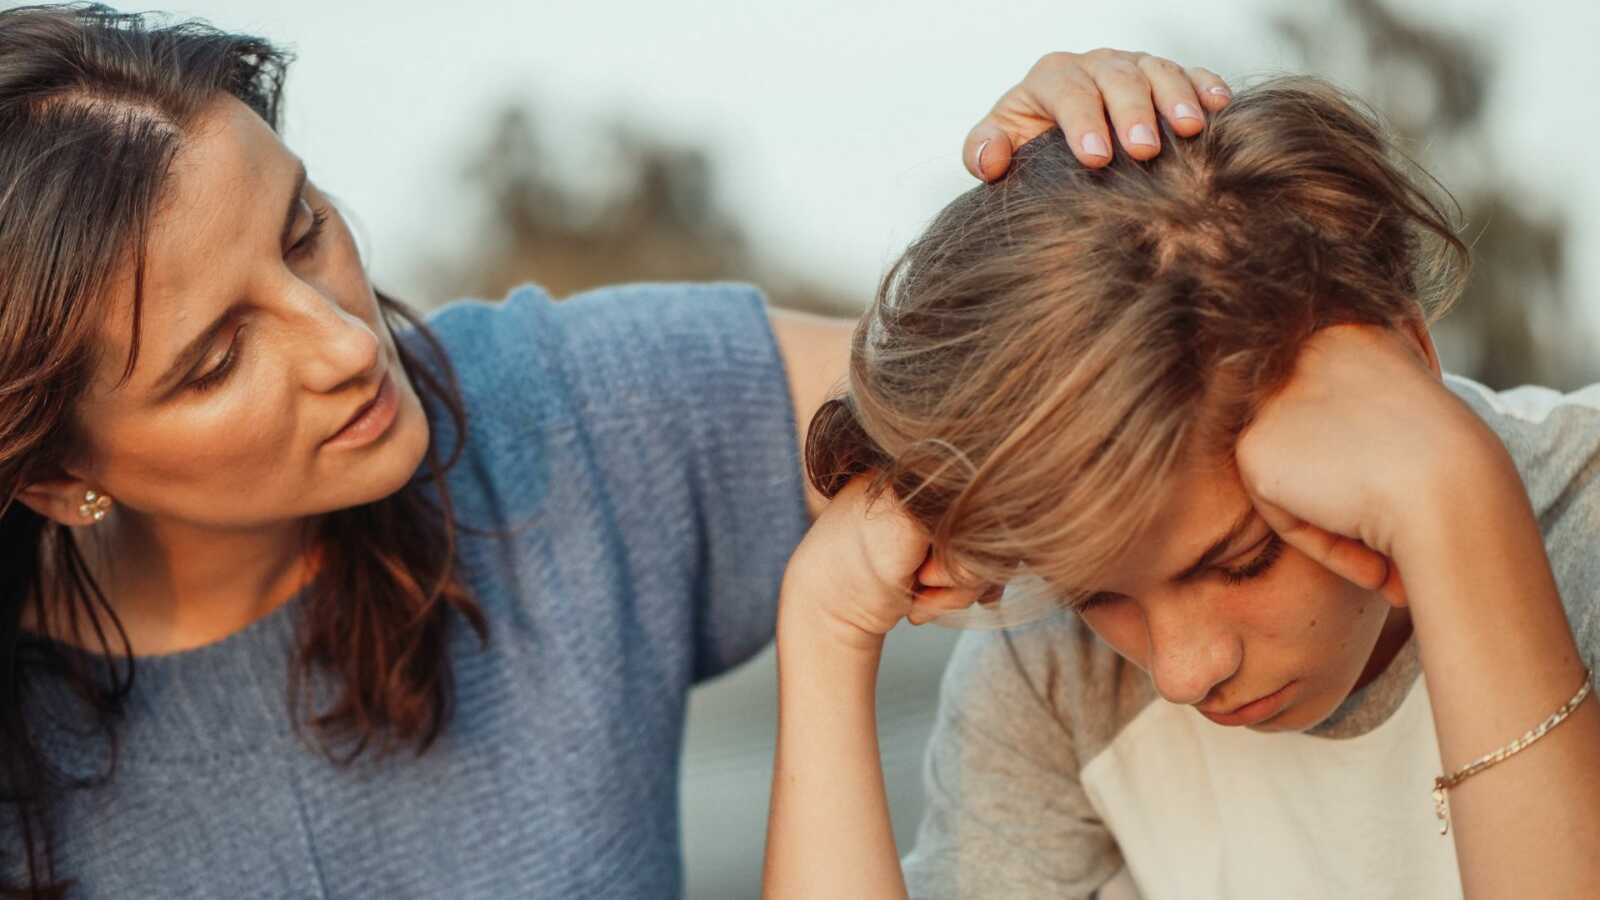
<point x="1266" y="552"/>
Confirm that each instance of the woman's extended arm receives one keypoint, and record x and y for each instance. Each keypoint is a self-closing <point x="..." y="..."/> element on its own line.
<point x="1412" y="475"/>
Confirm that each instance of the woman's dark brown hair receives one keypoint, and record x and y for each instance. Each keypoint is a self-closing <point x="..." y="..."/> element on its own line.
<point x="94" y="105"/>
<point x="1038" y="362"/>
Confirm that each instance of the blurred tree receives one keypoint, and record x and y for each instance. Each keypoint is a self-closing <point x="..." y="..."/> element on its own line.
<point x="656" y="217"/>
<point x="1514" y="324"/>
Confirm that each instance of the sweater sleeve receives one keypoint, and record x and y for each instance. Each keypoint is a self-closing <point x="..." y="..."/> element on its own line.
<point x="649" y="427"/>
<point x="694" y="373"/>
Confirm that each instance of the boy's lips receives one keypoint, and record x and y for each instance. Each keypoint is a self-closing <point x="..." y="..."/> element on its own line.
<point x="1254" y="712"/>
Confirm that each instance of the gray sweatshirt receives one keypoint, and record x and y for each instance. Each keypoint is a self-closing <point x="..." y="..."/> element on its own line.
<point x="1056" y="771"/>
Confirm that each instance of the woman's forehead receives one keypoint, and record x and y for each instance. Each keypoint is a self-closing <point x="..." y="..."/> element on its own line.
<point x="224" y="184"/>
<point x="222" y="204"/>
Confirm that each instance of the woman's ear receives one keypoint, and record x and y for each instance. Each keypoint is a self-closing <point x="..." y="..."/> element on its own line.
<point x="63" y="500"/>
<point x="1417" y="335"/>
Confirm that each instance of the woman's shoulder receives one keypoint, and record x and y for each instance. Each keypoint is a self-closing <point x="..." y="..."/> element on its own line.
<point x="606" y="414"/>
<point x="500" y="353"/>
<point x="610" y="351"/>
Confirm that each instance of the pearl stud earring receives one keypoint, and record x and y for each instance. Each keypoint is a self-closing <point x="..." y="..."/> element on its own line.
<point x="94" y="505"/>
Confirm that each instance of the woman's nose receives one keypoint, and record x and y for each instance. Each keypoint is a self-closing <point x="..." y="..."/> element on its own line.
<point x="1191" y="651"/>
<point x="340" y="346"/>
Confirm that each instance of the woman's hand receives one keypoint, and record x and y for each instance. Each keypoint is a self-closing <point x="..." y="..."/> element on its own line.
<point x="1362" y="437"/>
<point x="1073" y="90"/>
<point x="864" y="566"/>
<point x="1076" y="90"/>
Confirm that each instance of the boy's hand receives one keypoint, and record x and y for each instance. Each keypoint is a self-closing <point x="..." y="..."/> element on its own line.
<point x="1358" y="448"/>
<point x="864" y="566"/>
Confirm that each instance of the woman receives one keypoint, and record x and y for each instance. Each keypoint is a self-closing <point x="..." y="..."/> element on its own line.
<point x="1197" y="401"/>
<point x="265" y="529"/>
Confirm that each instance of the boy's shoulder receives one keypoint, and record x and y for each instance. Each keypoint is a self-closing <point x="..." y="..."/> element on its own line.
<point x="1057" y="663"/>
<point x="1553" y="437"/>
<point x="1554" y="440"/>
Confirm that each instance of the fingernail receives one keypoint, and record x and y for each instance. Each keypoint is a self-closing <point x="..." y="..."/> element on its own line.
<point x="1185" y="111"/>
<point x="1142" y="135"/>
<point x="1095" y="145"/>
<point x="978" y="160"/>
<point x="1219" y="90"/>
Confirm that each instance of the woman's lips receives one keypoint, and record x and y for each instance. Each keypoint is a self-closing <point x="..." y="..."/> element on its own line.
<point x="1256" y="711"/>
<point x="372" y="421"/>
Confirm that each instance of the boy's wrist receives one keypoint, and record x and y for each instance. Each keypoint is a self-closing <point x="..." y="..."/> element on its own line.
<point x="806" y="628"/>
<point x="1463" y="509"/>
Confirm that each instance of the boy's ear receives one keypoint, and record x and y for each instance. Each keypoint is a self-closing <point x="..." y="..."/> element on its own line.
<point x="1416" y="332"/>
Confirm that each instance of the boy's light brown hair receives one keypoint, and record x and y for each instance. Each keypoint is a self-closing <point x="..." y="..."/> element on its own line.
<point x="1039" y="361"/>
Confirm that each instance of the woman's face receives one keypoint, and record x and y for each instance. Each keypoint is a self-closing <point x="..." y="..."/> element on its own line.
<point x="236" y="433"/>
<point x="1257" y="620"/>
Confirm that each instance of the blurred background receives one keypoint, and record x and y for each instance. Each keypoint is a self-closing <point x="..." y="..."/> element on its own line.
<point x="801" y="146"/>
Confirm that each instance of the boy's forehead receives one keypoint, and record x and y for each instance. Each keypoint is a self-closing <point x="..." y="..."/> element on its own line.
<point x="1199" y="504"/>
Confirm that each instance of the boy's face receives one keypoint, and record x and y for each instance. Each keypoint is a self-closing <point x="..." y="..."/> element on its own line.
<point x="1259" y="622"/>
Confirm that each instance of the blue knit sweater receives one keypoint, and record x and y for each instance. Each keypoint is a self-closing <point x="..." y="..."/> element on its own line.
<point x="647" y="432"/>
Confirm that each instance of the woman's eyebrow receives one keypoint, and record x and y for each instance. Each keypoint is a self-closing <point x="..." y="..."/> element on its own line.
<point x="190" y="355"/>
<point x="1217" y="549"/>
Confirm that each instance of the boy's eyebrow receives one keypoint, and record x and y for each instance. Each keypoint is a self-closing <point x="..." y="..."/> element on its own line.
<point x="1221" y="546"/>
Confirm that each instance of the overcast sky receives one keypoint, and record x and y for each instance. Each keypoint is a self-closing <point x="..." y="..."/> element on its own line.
<point x="835" y="126"/>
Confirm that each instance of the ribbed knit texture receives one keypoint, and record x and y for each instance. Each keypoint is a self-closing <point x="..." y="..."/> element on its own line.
<point x="648" y="434"/>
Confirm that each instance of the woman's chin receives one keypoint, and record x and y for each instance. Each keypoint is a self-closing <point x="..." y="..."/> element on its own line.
<point x="370" y="473"/>
<point x="409" y="441"/>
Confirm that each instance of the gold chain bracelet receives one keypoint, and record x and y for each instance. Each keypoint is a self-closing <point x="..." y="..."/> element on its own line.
<point x="1443" y="783"/>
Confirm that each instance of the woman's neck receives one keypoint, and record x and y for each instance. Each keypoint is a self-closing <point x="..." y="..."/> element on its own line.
<point x="177" y="586"/>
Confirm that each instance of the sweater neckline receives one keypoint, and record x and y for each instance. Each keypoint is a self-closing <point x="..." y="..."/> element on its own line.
<point x="225" y="699"/>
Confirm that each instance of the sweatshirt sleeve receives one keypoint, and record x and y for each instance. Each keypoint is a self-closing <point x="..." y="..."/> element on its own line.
<point x="1006" y="813"/>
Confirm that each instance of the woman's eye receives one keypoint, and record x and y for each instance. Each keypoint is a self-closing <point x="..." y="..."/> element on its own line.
<point x="307" y="242"/>
<point x="218" y="374"/>
<point x="1262" y="562"/>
